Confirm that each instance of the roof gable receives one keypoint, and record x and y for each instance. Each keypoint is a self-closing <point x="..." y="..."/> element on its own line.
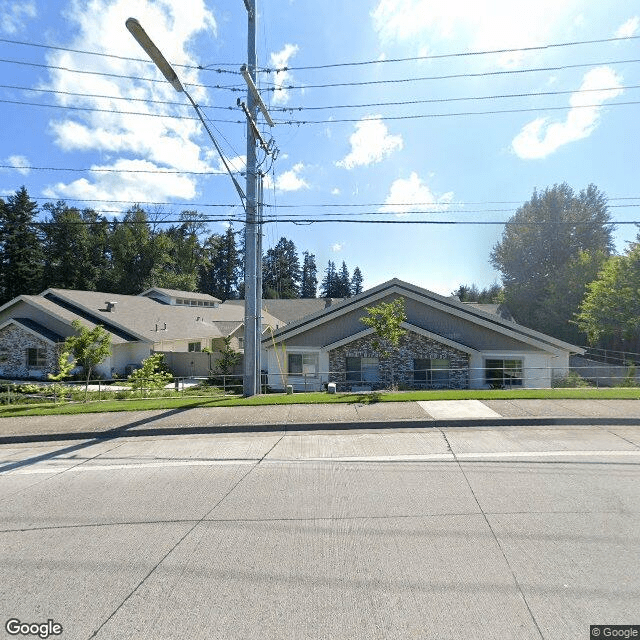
<point x="450" y="306"/>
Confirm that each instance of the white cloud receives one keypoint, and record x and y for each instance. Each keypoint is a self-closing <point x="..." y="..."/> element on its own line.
<point x="280" y="60"/>
<point x="133" y="184"/>
<point x="13" y="15"/>
<point x="20" y="164"/>
<point x="629" y="28"/>
<point x="541" y="137"/>
<point x="164" y="142"/>
<point x="335" y="191"/>
<point x="289" y="180"/>
<point x="484" y="25"/>
<point x="370" y="143"/>
<point x="337" y="247"/>
<point x="408" y="195"/>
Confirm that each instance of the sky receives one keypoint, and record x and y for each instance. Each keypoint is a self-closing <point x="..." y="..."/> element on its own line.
<point x="411" y="112"/>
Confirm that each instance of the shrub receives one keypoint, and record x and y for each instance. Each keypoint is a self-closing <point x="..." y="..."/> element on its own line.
<point x="572" y="380"/>
<point x="151" y="375"/>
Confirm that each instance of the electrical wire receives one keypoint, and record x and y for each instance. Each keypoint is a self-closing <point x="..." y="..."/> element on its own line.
<point x="448" y="55"/>
<point x="450" y="76"/>
<point x="117" y="57"/>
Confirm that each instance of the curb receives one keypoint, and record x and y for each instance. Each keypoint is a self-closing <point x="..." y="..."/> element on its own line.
<point x="127" y="432"/>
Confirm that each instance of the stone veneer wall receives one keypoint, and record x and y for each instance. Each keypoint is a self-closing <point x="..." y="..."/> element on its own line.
<point x="412" y="345"/>
<point x="14" y="343"/>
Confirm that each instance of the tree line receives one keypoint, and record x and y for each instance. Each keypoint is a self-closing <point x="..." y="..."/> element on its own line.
<point x="66" y="247"/>
<point x="559" y="272"/>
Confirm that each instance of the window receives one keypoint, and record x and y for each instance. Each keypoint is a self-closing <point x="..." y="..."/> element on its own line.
<point x="240" y="343"/>
<point x="37" y="358"/>
<point x="362" y="370"/>
<point x="503" y="373"/>
<point x="433" y="373"/>
<point x="303" y="364"/>
<point x="194" y="346"/>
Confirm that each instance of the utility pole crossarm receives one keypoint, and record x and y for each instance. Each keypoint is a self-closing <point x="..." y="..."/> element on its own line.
<point x="256" y="94"/>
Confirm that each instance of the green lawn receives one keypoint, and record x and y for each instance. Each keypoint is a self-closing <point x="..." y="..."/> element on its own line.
<point x="313" y="398"/>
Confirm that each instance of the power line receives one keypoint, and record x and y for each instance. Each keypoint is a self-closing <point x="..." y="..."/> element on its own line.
<point x="292" y="109"/>
<point x="109" y="170"/>
<point x="447" y="76"/>
<point x="459" y="113"/>
<point x="448" y="55"/>
<point x="532" y="94"/>
<point x="327" y="121"/>
<point x="117" y="57"/>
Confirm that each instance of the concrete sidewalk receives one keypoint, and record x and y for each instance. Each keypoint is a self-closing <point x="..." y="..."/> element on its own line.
<point x="317" y="417"/>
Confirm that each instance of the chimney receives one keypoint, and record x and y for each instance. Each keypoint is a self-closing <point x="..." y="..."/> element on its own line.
<point x="111" y="306"/>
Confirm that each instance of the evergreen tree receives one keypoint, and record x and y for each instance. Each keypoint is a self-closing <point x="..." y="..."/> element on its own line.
<point x="329" y="282"/>
<point x="220" y="271"/>
<point x="309" y="285"/>
<point x="21" y="254"/>
<point x="356" y="282"/>
<point x="343" y="288"/>
<point x="281" y="271"/>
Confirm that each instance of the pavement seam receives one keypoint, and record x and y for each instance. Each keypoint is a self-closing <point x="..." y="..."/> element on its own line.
<point x="622" y="438"/>
<point x="182" y="539"/>
<point x="495" y="537"/>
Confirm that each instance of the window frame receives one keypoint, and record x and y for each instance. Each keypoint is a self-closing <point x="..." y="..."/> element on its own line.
<point x="194" y="347"/>
<point x="367" y="370"/>
<point x="40" y="359"/>
<point x="436" y="372"/>
<point x="508" y="372"/>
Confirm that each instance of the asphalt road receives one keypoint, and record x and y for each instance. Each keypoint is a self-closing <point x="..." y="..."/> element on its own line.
<point x="492" y="533"/>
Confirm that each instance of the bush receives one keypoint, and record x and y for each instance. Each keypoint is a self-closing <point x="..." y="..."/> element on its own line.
<point x="630" y="379"/>
<point x="572" y="380"/>
<point x="151" y="375"/>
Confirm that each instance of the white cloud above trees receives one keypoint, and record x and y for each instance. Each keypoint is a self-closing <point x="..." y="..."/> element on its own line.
<point x="543" y="136"/>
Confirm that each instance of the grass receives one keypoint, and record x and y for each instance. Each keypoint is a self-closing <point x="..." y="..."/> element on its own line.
<point x="189" y="402"/>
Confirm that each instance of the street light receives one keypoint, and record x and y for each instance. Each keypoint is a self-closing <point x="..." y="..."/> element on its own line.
<point x="253" y="297"/>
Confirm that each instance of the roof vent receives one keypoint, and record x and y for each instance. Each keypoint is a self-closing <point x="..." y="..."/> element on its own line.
<point x="111" y="306"/>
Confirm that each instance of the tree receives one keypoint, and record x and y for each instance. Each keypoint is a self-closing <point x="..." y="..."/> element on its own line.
<point x="88" y="348"/>
<point x="309" y="281"/>
<point x="229" y="358"/>
<point x="610" y="311"/>
<point x="356" y="282"/>
<point x="329" y="282"/>
<point x="281" y="271"/>
<point x="471" y="293"/>
<point x="21" y="256"/>
<point x="343" y="284"/>
<point x="152" y="374"/>
<point x="539" y="242"/>
<point x="386" y="320"/>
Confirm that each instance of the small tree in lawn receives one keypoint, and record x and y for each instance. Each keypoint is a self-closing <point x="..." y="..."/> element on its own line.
<point x="88" y="348"/>
<point x="386" y="320"/>
<point x="151" y="375"/>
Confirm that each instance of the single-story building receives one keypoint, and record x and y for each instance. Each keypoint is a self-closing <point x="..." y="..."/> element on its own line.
<point x="447" y="344"/>
<point x="305" y="342"/>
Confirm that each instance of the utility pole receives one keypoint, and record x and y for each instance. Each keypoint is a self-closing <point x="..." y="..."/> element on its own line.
<point x="253" y="219"/>
<point x="252" y="297"/>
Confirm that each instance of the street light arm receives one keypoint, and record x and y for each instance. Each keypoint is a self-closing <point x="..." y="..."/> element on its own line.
<point x="136" y="30"/>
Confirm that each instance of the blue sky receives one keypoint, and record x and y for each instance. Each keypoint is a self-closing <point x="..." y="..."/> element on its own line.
<point x="345" y="153"/>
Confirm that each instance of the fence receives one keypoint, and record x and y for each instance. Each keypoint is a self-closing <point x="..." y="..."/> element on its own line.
<point x="591" y="374"/>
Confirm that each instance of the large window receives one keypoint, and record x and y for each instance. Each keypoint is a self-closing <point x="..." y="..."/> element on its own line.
<point x="303" y="364"/>
<point x="363" y="370"/>
<point x="37" y="358"/>
<point x="431" y="372"/>
<point x="503" y="373"/>
<point x="195" y="346"/>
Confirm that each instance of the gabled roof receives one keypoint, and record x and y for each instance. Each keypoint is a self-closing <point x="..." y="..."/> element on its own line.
<point x="448" y="305"/>
<point x="290" y="310"/>
<point x="35" y="328"/>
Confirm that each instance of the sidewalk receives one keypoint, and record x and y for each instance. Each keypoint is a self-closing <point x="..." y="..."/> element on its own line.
<point x="318" y="417"/>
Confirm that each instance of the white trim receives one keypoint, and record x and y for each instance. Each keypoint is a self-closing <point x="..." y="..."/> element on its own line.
<point x="348" y="339"/>
<point x="438" y="338"/>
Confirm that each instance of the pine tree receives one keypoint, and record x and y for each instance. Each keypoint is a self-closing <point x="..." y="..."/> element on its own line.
<point x="21" y="255"/>
<point x="220" y="272"/>
<point x="309" y="285"/>
<point x="281" y="271"/>
<point x="356" y="282"/>
<point x="343" y="288"/>
<point x="329" y="282"/>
